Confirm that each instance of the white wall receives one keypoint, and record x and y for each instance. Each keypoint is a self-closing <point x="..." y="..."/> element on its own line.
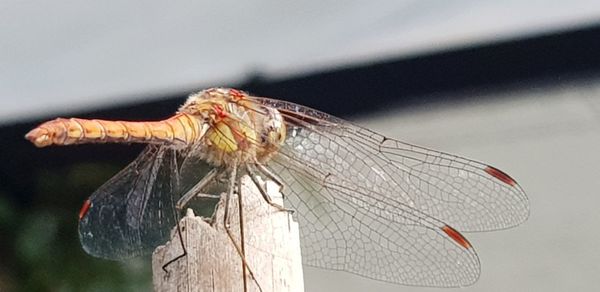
<point x="62" y="56"/>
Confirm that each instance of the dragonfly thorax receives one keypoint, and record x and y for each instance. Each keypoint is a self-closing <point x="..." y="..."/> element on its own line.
<point x="237" y="130"/>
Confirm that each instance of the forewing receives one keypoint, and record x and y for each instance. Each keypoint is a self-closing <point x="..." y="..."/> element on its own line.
<point x="466" y="194"/>
<point x="133" y="212"/>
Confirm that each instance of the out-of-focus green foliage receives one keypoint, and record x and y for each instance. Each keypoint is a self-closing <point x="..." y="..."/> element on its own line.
<point x="39" y="245"/>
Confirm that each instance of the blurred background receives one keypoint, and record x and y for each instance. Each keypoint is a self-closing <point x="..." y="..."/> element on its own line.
<point x="515" y="84"/>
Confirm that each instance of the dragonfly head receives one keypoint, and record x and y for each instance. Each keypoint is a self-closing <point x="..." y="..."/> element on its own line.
<point x="275" y="128"/>
<point x="273" y="133"/>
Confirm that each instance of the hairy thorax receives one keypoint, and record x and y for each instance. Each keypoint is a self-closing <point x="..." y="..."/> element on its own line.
<point x="236" y="129"/>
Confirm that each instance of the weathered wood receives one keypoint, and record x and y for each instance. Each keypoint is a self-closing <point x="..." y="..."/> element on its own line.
<point x="271" y="242"/>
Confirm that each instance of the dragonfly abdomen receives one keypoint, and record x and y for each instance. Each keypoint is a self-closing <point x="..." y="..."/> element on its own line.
<point x="180" y="129"/>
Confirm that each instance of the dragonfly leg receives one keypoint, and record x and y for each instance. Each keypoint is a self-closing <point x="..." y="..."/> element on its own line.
<point x="226" y="224"/>
<point x="269" y="174"/>
<point x="229" y="194"/>
<point x="263" y="191"/>
<point x="184" y="250"/>
<point x="195" y="191"/>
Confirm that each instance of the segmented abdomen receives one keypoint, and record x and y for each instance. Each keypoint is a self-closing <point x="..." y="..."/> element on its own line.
<point x="180" y="129"/>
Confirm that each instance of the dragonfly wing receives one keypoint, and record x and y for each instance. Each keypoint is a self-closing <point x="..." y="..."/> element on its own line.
<point x="133" y="212"/>
<point x="466" y="194"/>
<point x="346" y="226"/>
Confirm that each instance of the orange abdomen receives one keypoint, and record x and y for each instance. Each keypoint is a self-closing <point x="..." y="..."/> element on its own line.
<point x="181" y="129"/>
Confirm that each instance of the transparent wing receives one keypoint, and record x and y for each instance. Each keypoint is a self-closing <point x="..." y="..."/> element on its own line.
<point x="466" y="194"/>
<point x="345" y="226"/>
<point x="133" y="212"/>
<point x="382" y="208"/>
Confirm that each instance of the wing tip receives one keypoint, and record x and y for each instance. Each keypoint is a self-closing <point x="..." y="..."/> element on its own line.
<point x="84" y="208"/>
<point x="456" y="236"/>
<point x="500" y="175"/>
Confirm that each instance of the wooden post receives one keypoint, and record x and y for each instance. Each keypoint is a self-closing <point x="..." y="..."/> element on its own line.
<point x="271" y="243"/>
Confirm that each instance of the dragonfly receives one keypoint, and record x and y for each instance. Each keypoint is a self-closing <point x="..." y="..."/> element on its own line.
<point x="365" y="203"/>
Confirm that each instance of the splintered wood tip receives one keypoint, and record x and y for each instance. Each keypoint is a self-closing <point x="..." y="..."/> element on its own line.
<point x="40" y="137"/>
